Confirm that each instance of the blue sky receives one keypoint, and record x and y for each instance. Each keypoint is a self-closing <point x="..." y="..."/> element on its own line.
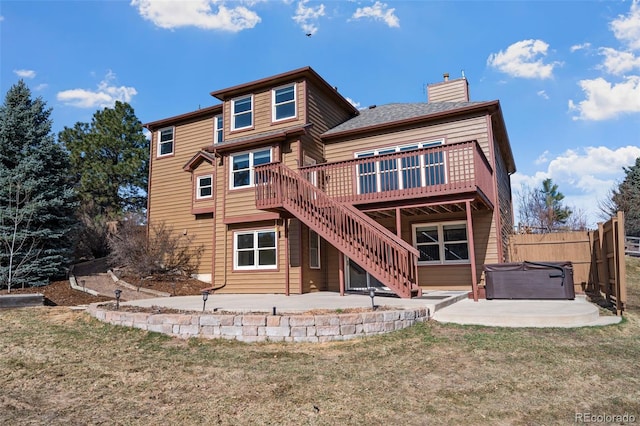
<point x="567" y="73"/>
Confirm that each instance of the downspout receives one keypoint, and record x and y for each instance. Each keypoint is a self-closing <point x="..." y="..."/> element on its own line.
<point x="226" y="234"/>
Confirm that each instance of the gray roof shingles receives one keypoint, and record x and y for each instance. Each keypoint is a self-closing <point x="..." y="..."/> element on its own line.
<point x="390" y="113"/>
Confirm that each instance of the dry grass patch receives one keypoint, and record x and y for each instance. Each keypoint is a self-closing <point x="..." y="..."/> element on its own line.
<point x="63" y="367"/>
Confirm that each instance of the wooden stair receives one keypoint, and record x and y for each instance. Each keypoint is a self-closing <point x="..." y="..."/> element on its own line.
<point x="380" y="252"/>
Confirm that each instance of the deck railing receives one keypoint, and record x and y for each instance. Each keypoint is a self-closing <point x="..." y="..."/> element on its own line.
<point x="384" y="255"/>
<point x="428" y="172"/>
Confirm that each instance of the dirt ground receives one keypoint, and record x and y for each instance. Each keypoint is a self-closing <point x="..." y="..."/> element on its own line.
<point x="60" y="293"/>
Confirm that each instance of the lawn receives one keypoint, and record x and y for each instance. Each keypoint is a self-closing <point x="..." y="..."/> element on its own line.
<point x="63" y="367"/>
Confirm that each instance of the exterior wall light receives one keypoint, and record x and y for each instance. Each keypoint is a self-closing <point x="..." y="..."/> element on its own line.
<point x="205" y="296"/>
<point x="372" y="294"/>
<point x="118" y="292"/>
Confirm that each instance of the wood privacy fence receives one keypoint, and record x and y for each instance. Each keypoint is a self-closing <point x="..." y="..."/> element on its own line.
<point x="597" y="257"/>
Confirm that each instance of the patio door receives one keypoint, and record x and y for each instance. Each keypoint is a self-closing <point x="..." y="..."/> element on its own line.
<point x="357" y="279"/>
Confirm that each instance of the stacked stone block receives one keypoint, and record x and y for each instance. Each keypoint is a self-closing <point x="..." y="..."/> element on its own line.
<point x="263" y="327"/>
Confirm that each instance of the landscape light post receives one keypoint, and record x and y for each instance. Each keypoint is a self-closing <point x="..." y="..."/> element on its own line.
<point x="372" y="294"/>
<point x="205" y="296"/>
<point x="118" y="292"/>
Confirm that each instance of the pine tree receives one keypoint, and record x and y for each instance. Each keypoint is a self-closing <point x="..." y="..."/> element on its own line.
<point x="110" y="157"/>
<point x="36" y="193"/>
<point x="542" y="210"/>
<point x="627" y="199"/>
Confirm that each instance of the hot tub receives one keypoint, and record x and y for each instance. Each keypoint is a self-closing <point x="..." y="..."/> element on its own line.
<point x="529" y="280"/>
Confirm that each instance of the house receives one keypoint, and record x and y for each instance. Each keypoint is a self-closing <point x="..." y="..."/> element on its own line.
<point x="291" y="189"/>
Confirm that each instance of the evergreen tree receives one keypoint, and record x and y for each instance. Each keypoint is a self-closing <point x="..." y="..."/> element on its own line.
<point x="627" y="199"/>
<point x="36" y="193"/>
<point x="110" y="159"/>
<point x="541" y="210"/>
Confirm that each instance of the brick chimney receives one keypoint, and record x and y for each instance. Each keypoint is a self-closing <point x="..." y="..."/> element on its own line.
<point x="449" y="90"/>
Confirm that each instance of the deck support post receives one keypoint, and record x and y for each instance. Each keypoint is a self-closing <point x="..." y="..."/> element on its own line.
<point x="398" y="222"/>
<point x="341" y="272"/>
<point x="472" y="252"/>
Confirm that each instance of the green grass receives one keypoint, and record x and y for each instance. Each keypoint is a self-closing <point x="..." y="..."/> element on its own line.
<point x="64" y="367"/>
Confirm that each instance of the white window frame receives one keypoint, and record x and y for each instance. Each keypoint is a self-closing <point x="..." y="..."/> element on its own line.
<point x="234" y="115"/>
<point x="274" y="105"/>
<point x="199" y="187"/>
<point x="255" y="249"/>
<point x="441" y="243"/>
<point x="314" y="250"/>
<point x="218" y="129"/>
<point x="250" y="169"/>
<point x="161" y="142"/>
<point x="373" y="153"/>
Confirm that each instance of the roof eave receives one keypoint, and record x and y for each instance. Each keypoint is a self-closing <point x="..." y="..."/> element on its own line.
<point x="305" y="72"/>
<point x="490" y="105"/>
<point x="193" y="115"/>
<point x="258" y="140"/>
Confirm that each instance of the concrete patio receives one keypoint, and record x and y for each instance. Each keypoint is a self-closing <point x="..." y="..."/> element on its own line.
<point x="443" y="306"/>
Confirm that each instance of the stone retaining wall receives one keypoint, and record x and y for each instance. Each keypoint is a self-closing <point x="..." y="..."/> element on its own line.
<point x="263" y="327"/>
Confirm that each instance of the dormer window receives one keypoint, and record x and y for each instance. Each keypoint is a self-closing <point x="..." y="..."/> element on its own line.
<point x="165" y="141"/>
<point x="204" y="187"/>
<point x="284" y="102"/>
<point x="242" y="109"/>
<point x="218" y="134"/>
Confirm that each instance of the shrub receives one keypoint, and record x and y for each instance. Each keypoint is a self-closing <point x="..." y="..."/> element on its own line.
<point x="161" y="252"/>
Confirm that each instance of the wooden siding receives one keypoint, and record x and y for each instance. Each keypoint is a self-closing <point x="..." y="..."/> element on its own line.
<point x="505" y="206"/>
<point x="449" y="91"/>
<point x="262" y="114"/>
<point x="459" y="130"/>
<point x="172" y="194"/>
<point x="258" y="281"/>
<point x="312" y="279"/>
<point x="435" y="277"/>
<point x="324" y="114"/>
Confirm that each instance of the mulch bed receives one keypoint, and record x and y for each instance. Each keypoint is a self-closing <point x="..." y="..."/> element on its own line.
<point x="60" y="293"/>
<point x="175" y="285"/>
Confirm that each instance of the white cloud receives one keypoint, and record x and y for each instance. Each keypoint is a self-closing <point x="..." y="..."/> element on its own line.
<point x="352" y="102"/>
<point x="105" y="96"/>
<point x="609" y="99"/>
<point x="306" y="16"/>
<point x="606" y="100"/>
<point x="523" y="59"/>
<point x="197" y="13"/>
<point x="582" y="46"/>
<point x="40" y="87"/>
<point x="1" y="18"/>
<point x="617" y="62"/>
<point x="378" y="12"/>
<point x="25" y="73"/>
<point x="542" y="94"/>
<point x="584" y="176"/>
<point x="627" y="28"/>
<point x="543" y="158"/>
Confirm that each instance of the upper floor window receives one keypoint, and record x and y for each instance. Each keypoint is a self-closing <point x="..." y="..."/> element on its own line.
<point x="255" y="249"/>
<point x="441" y="243"/>
<point x="242" y="113"/>
<point x="165" y="141"/>
<point x="401" y="172"/>
<point x="242" y="165"/>
<point x="204" y="187"/>
<point x="284" y="102"/>
<point x="217" y="129"/>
